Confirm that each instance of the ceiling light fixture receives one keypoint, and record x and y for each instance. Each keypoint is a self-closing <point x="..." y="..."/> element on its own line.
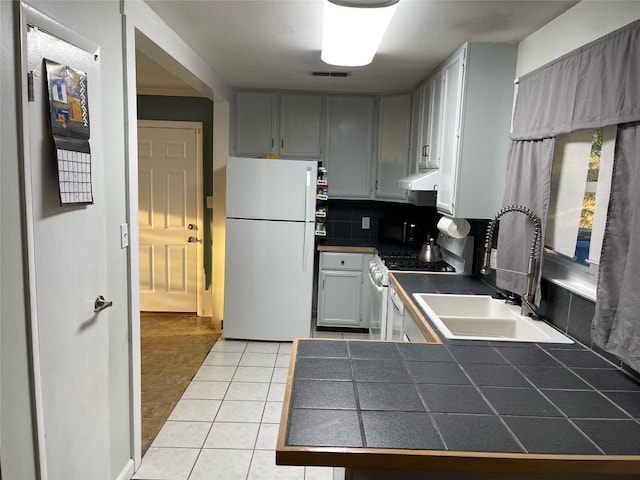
<point x="352" y="30"/>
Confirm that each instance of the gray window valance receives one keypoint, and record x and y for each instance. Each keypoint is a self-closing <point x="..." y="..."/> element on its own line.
<point x="594" y="86"/>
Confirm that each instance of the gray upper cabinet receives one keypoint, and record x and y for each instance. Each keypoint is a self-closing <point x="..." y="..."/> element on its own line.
<point x="363" y="140"/>
<point x="350" y="127"/>
<point x="477" y="100"/>
<point x="427" y="106"/>
<point x="394" y="132"/>
<point x="255" y="117"/>
<point x="300" y="125"/>
<point x="452" y="77"/>
<point x="270" y="123"/>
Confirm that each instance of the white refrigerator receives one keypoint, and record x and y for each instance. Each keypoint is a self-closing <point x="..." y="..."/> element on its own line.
<point x="269" y="248"/>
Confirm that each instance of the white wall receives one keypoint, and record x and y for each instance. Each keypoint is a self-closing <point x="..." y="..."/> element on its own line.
<point x="16" y="426"/>
<point x="101" y="22"/>
<point x="583" y="23"/>
<point x="220" y="154"/>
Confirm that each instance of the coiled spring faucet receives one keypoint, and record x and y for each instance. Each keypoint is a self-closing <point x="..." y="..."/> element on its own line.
<point x="527" y="306"/>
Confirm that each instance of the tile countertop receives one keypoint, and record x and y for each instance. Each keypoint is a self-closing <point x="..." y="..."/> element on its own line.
<point x="347" y="249"/>
<point x="467" y="406"/>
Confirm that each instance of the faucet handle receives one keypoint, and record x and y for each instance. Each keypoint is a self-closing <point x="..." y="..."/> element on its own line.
<point x="512" y="299"/>
<point x="509" y="297"/>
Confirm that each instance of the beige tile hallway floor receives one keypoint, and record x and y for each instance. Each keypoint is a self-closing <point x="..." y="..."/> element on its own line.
<point x="225" y="425"/>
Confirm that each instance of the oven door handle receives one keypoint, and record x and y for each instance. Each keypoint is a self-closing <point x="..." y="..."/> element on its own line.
<point x="395" y="299"/>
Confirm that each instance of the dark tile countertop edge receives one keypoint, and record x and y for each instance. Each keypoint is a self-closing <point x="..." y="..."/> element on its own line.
<point x="528" y="363"/>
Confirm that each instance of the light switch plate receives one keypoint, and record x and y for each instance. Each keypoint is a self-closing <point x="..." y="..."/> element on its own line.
<point x="366" y="223"/>
<point x="209" y="201"/>
<point x="124" y="235"/>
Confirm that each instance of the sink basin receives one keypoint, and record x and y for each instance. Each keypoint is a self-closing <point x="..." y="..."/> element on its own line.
<point x="481" y="317"/>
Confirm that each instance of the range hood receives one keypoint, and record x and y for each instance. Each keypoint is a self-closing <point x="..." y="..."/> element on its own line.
<point x="421" y="181"/>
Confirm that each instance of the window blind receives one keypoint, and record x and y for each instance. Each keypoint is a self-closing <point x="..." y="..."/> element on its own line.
<point x="568" y="180"/>
<point x="602" y="193"/>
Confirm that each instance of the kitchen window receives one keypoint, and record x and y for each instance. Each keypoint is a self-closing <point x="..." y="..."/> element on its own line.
<point x="580" y="186"/>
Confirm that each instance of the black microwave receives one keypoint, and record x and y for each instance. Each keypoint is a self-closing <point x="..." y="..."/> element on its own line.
<point x="400" y="231"/>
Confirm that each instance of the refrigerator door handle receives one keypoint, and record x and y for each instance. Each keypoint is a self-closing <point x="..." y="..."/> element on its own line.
<point x="304" y="249"/>
<point x="307" y="194"/>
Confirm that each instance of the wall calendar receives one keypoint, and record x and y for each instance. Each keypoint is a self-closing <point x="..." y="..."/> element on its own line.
<point x="69" y="122"/>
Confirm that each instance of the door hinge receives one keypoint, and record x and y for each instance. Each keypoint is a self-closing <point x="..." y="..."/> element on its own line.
<point x="30" y="96"/>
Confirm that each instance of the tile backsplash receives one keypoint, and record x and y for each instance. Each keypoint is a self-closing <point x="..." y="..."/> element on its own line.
<point x="344" y="219"/>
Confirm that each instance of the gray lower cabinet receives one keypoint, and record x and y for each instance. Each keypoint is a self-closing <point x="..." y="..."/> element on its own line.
<point x="342" y="301"/>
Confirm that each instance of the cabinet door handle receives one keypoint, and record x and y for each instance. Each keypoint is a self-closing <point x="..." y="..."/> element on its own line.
<point x="282" y="143"/>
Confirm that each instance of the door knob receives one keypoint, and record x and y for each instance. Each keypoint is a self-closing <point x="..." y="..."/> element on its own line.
<point x="193" y="240"/>
<point x="192" y="226"/>
<point x="100" y="304"/>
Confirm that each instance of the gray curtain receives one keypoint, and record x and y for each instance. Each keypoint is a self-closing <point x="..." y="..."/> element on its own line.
<point x="594" y="86"/>
<point x="529" y="174"/>
<point x="616" y="325"/>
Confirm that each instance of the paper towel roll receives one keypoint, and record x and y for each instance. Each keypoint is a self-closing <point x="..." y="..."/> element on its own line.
<point x="454" y="227"/>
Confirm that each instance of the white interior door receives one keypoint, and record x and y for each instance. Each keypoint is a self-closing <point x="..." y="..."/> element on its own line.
<point x="67" y="265"/>
<point x="170" y="225"/>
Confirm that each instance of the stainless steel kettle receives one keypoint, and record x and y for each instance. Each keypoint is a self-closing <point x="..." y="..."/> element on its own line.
<point x="430" y="252"/>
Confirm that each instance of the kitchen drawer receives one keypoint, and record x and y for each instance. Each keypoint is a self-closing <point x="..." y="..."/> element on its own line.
<point x="341" y="261"/>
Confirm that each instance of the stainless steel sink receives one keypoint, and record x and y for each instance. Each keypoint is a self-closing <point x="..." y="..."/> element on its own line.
<point x="481" y="317"/>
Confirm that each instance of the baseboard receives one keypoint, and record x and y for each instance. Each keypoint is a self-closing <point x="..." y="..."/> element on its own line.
<point x="127" y="472"/>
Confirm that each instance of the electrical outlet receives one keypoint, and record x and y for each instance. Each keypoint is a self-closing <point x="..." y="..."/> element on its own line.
<point x="493" y="263"/>
<point x="366" y="223"/>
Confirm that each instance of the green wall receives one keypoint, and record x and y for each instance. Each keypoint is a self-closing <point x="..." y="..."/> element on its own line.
<point x="189" y="109"/>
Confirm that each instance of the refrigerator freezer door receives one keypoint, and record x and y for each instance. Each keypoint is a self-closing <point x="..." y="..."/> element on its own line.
<point x="271" y="189"/>
<point x="268" y="280"/>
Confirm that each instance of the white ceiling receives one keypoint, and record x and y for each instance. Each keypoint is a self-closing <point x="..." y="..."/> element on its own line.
<point x="276" y="43"/>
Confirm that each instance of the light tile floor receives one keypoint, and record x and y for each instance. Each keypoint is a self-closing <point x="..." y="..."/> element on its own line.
<point x="226" y="423"/>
